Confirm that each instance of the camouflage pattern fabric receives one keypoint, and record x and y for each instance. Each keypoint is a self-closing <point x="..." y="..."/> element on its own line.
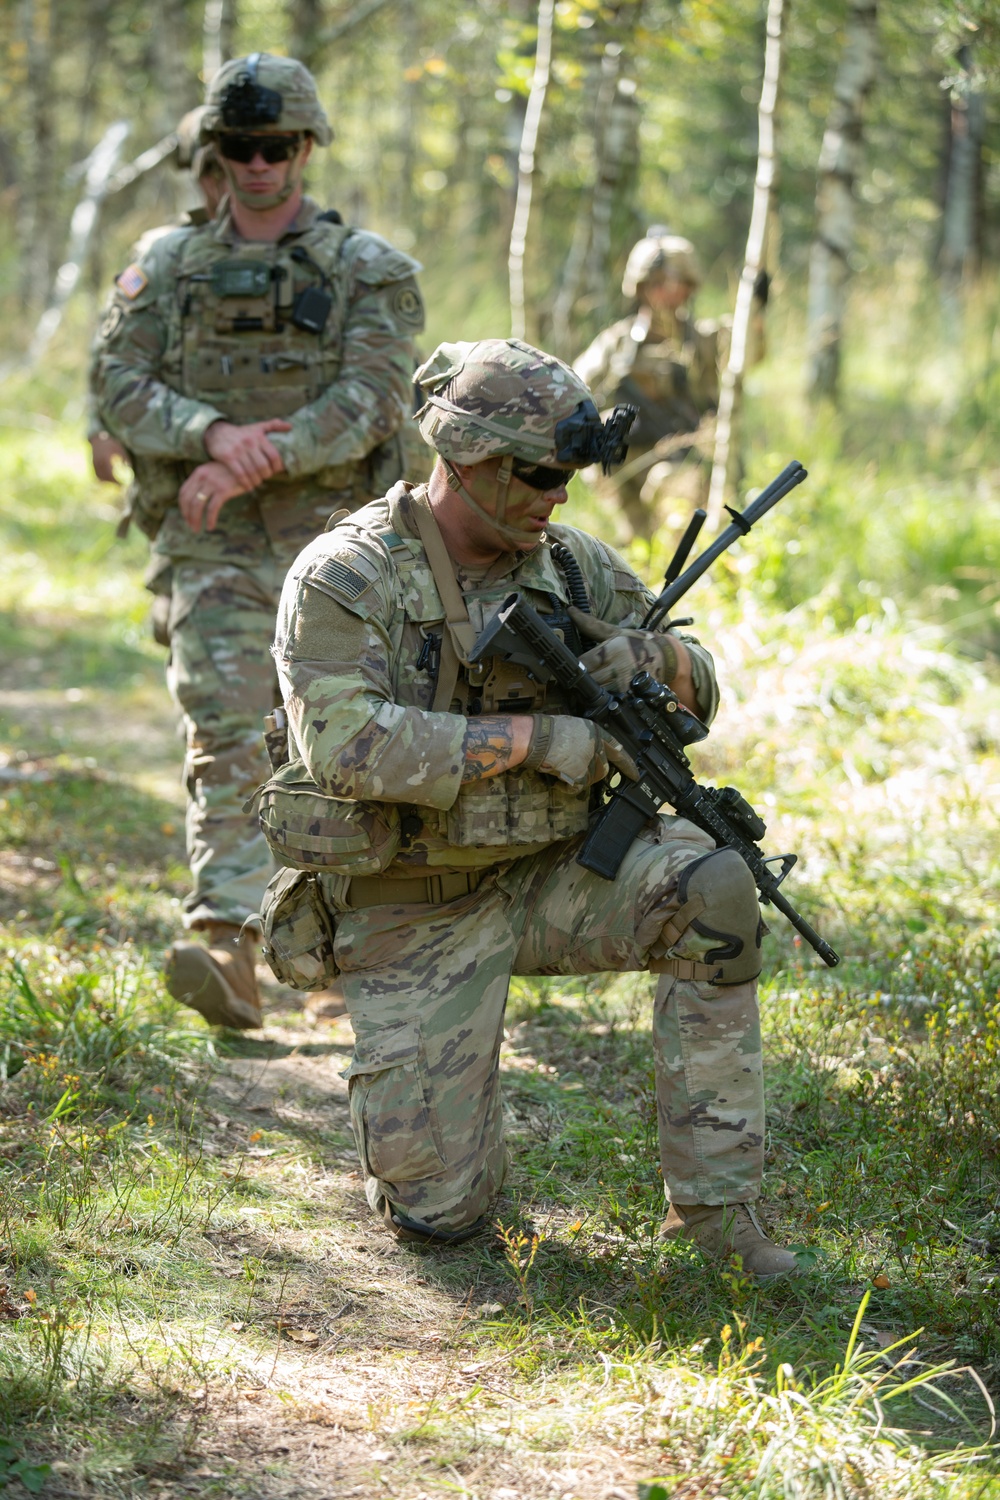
<point x="224" y="684"/>
<point x="300" y="106"/>
<point x="359" y="615"/>
<point x="426" y="984"/>
<point x="426" y="988"/>
<point x="175" y="355"/>
<point x="493" y="397"/>
<point x="661" y="255"/>
<point x="667" y="364"/>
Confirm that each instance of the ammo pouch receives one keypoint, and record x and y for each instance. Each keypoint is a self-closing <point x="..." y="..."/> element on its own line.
<point x="310" y="830"/>
<point x="508" y="810"/>
<point x="298" y="931"/>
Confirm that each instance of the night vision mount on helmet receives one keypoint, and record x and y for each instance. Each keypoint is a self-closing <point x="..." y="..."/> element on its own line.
<point x="247" y="104"/>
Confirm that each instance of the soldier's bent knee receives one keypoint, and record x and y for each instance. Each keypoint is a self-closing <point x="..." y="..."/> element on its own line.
<point x="721" y="897"/>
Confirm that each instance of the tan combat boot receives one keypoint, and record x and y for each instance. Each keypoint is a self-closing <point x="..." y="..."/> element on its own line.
<point x="218" y="981"/>
<point x="326" y="1005"/>
<point x="729" y="1229"/>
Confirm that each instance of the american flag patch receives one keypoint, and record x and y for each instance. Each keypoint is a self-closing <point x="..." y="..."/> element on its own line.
<point x="131" y="281"/>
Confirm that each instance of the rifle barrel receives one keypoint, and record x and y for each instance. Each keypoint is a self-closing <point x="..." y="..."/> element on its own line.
<point x="792" y="475"/>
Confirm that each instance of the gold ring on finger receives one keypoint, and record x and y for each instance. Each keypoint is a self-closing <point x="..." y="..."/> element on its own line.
<point x="203" y="495"/>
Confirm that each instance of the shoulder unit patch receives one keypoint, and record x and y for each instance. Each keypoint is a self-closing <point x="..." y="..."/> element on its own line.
<point x="132" y="281"/>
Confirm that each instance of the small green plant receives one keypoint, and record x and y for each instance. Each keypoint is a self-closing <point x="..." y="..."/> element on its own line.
<point x="13" y="1467"/>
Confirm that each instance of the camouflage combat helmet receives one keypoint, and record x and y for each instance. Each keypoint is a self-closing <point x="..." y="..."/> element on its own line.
<point x="660" y="254"/>
<point x="501" y="398"/>
<point x="264" y="94"/>
<point x="191" y="153"/>
<point x="495" y="397"/>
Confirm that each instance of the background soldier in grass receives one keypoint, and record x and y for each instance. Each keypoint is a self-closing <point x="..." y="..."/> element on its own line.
<point x="259" y="369"/>
<point x="666" y="362"/>
<point x="476" y="783"/>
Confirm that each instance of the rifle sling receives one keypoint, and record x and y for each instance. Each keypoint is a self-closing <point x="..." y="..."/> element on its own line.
<point x="459" y="635"/>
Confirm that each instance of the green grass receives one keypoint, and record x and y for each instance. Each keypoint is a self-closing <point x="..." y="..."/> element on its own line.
<point x="193" y="1294"/>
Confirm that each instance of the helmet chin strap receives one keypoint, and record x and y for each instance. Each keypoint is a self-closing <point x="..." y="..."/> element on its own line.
<point x="266" y="200"/>
<point x="518" y="539"/>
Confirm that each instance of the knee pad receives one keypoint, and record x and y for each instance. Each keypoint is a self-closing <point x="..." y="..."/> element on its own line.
<point x="729" y="914"/>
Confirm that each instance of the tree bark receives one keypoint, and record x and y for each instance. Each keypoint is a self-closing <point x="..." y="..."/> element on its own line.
<point x="100" y="167"/>
<point x="765" y="187"/>
<point x="526" y="167"/>
<point x="36" y="201"/>
<point x="577" y="259"/>
<point x="218" y="33"/>
<point x="620" y="144"/>
<point x="839" y="161"/>
<point x="306" y="18"/>
<point x="960" y="243"/>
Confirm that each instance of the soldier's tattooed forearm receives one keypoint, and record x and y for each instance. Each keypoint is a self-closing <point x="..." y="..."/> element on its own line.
<point x="488" y="748"/>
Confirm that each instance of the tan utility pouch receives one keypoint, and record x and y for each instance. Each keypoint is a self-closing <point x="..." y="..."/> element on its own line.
<point x="309" y="830"/>
<point x="298" y="931"/>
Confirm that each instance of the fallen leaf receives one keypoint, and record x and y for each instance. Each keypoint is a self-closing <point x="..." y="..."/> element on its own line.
<point x="881" y="1281"/>
<point x="257" y="1135"/>
<point x="302" y="1335"/>
<point x="885" y="1340"/>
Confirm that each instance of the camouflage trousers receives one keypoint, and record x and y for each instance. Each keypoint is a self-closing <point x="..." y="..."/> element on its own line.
<point x="426" y="987"/>
<point x="222" y="677"/>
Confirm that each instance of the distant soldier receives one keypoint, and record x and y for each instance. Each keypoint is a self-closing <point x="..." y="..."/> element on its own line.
<point x="666" y="363"/>
<point x="258" y="369"/>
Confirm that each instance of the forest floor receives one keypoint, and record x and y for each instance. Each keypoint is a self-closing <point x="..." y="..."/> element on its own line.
<point x="194" y="1296"/>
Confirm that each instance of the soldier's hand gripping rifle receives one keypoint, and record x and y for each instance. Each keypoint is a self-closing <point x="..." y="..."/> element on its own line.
<point x="653" y="727"/>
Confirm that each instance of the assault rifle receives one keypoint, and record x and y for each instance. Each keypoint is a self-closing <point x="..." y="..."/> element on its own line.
<point x="653" y="727"/>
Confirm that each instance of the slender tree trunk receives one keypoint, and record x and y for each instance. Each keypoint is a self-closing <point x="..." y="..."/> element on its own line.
<point x="306" y="18"/>
<point x="620" y="150"/>
<point x="36" y="204"/>
<point x="839" y="161"/>
<point x="576" y="263"/>
<point x="176" y="91"/>
<point x="217" y="35"/>
<point x="765" y="186"/>
<point x="100" y="166"/>
<point x="408" y="202"/>
<point x="960" y="244"/>
<point x="526" y="167"/>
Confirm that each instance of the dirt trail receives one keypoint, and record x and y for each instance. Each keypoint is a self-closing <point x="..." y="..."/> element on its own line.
<point x="364" y="1407"/>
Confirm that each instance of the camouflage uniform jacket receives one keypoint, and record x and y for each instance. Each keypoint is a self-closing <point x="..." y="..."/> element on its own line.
<point x="358" y="624"/>
<point x="668" y="366"/>
<point x="206" y="326"/>
<point x="95" y="421"/>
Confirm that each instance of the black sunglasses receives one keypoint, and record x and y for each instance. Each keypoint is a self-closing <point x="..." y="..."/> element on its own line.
<point x="540" y="476"/>
<point x="243" y="148"/>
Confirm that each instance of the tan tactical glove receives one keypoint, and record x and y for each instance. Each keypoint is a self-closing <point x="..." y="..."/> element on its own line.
<point x="576" y="751"/>
<point x="623" y="652"/>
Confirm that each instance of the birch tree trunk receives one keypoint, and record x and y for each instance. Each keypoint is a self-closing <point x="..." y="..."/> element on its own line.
<point x="526" y="167"/>
<point x="218" y="32"/>
<point x="765" y="186"/>
<point x="839" y="161"/>
<point x="961" y="224"/>
<point x="99" y="169"/>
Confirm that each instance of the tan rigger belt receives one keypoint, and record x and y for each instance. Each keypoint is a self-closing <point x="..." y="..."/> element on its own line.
<point x="431" y="890"/>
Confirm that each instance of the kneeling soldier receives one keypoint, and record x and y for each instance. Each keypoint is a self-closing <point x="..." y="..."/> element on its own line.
<point x="470" y="788"/>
